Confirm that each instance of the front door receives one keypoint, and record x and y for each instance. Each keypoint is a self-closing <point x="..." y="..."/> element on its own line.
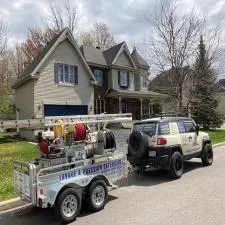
<point x="193" y="144"/>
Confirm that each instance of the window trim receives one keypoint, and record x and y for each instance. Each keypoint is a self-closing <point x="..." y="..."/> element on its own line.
<point x="103" y="77"/>
<point x="119" y="79"/>
<point x="71" y="74"/>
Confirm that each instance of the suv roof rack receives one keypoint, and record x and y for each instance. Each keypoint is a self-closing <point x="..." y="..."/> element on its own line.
<point x="164" y="114"/>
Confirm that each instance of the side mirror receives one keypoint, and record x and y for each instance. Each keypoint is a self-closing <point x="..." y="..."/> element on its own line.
<point x="197" y="129"/>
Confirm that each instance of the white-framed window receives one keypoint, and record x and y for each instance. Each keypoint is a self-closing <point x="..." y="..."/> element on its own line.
<point x="99" y="76"/>
<point x="144" y="82"/>
<point x="123" y="79"/>
<point x="65" y="73"/>
<point x="137" y="82"/>
<point x="99" y="106"/>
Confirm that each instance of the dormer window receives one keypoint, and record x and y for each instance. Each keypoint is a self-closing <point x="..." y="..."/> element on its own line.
<point x="144" y="82"/>
<point x="123" y="79"/>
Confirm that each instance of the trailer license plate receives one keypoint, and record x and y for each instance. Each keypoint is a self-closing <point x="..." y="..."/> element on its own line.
<point x="152" y="153"/>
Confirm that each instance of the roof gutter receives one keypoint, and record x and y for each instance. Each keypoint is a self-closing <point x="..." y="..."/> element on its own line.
<point x="23" y="80"/>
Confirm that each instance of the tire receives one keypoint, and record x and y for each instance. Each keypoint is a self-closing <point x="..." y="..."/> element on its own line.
<point x="97" y="196"/>
<point x="138" y="145"/>
<point x="65" y="211"/>
<point x="207" y="155"/>
<point x="177" y="165"/>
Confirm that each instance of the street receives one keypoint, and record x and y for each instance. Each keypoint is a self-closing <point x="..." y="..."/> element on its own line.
<point x="197" y="198"/>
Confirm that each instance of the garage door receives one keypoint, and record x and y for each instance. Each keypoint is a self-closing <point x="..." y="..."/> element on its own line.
<point x="65" y="110"/>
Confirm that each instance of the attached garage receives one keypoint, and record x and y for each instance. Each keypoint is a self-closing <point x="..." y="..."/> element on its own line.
<point x="65" y="110"/>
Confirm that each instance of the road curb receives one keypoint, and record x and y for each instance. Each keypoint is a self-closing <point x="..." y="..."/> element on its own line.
<point x="17" y="202"/>
<point x="219" y="144"/>
<point x="11" y="203"/>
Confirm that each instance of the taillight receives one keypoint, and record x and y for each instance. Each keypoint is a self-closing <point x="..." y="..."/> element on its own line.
<point x="41" y="191"/>
<point x="43" y="173"/>
<point x="161" y="141"/>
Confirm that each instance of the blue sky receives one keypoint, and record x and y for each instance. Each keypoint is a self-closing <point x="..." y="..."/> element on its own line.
<point x="126" y="19"/>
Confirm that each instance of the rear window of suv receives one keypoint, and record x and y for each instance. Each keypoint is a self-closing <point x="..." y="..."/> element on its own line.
<point x="164" y="128"/>
<point x="146" y="128"/>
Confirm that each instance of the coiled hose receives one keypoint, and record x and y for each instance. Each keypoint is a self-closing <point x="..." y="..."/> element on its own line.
<point x="109" y="139"/>
<point x="80" y="131"/>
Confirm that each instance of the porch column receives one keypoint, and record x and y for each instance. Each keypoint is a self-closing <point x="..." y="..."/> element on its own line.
<point x="149" y="107"/>
<point x="120" y="106"/>
<point x="141" y="108"/>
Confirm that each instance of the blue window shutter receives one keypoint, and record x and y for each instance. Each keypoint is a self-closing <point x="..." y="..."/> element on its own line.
<point x="76" y="74"/>
<point x="128" y="79"/>
<point x="56" y="73"/>
<point x="119" y="78"/>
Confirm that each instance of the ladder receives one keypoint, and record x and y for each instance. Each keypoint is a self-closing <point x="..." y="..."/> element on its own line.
<point x="52" y="120"/>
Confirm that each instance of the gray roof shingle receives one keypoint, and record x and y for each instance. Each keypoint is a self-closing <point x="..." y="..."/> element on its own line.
<point x="93" y="55"/>
<point x="30" y="68"/>
<point x="111" y="53"/>
<point x="138" y="60"/>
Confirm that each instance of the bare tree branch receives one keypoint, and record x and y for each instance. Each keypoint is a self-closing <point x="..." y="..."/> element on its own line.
<point x="174" y="43"/>
<point x="63" y="15"/>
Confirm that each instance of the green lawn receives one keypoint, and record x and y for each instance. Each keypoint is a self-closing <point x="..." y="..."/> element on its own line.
<point x="11" y="148"/>
<point x="216" y="136"/>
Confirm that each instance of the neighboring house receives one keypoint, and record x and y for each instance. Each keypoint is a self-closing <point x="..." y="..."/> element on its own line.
<point x="122" y="80"/>
<point x="221" y="96"/>
<point x="58" y="82"/>
<point x="166" y="83"/>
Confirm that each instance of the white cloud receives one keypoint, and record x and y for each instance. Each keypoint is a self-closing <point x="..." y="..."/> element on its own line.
<point x="126" y="19"/>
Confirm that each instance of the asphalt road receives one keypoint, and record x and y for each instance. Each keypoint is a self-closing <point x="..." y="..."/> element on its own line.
<point x="197" y="198"/>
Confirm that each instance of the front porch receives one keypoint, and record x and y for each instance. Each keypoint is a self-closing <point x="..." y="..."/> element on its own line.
<point x="141" y="104"/>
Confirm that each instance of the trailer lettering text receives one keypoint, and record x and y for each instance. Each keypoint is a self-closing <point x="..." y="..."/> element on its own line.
<point x="111" y="167"/>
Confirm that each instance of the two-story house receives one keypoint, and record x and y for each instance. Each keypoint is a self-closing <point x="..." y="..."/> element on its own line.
<point x="58" y="82"/>
<point x="67" y="80"/>
<point x="122" y="81"/>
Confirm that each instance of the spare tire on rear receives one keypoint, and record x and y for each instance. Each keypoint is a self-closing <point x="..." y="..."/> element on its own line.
<point x="138" y="145"/>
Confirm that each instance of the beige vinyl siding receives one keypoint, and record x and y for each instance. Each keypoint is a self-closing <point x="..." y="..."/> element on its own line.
<point x="25" y="100"/>
<point x="123" y="60"/>
<point x="48" y="92"/>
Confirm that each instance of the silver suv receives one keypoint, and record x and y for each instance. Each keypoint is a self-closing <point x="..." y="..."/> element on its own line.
<point x="166" y="142"/>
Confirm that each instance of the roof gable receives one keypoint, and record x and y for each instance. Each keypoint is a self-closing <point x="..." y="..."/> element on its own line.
<point x="123" y="60"/>
<point x="33" y="67"/>
<point x="111" y="53"/>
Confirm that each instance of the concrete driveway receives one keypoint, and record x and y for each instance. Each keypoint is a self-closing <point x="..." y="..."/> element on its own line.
<point x="197" y="198"/>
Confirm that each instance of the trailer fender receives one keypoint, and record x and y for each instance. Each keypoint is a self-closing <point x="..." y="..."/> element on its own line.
<point x="54" y="192"/>
<point x="101" y="177"/>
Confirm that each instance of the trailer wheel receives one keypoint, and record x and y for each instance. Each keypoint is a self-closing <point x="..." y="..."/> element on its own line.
<point x="97" y="196"/>
<point x="68" y="206"/>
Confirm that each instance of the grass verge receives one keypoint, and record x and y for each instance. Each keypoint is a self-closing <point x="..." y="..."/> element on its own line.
<point x="216" y="136"/>
<point x="12" y="148"/>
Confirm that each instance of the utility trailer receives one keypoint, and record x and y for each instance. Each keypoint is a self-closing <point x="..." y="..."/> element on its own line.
<point x="79" y="174"/>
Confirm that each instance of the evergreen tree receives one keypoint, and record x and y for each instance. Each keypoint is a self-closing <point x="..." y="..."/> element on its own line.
<point x="204" y="102"/>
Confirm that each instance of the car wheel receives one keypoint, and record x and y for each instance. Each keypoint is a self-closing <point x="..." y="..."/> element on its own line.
<point x="207" y="155"/>
<point x="177" y="165"/>
<point x="97" y="196"/>
<point x="68" y="206"/>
